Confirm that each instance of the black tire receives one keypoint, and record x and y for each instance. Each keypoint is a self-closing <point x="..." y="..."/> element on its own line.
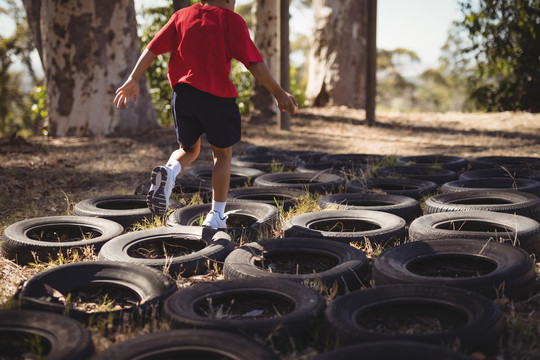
<point x="314" y="183"/>
<point x="250" y="218"/>
<point x="366" y="159"/>
<point x="126" y="210"/>
<point x="473" y="320"/>
<point x="511" y="202"/>
<point x="488" y="268"/>
<point x="395" y="350"/>
<point x="57" y="336"/>
<point x="402" y="206"/>
<point x="179" y="250"/>
<point x="524" y="162"/>
<point x="240" y="176"/>
<point x="308" y="156"/>
<point x="453" y="163"/>
<point x="187" y="344"/>
<point x="278" y="196"/>
<point x="508" y="184"/>
<point x="426" y="173"/>
<point x="277" y="310"/>
<point x="347" y="170"/>
<point x="478" y="224"/>
<point x="256" y="150"/>
<point x="266" y="162"/>
<point x="347" y="226"/>
<point x="184" y="190"/>
<point x="341" y="265"/>
<point x="416" y="189"/>
<point x="48" y="236"/>
<point x="145" y="285"/>
<point x="501" y="172"/>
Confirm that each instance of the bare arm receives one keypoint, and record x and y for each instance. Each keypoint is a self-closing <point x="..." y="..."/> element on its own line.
<point x="285" y="101"/>
<point x="131" y="86"/>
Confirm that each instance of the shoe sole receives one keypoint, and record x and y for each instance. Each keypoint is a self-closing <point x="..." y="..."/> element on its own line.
<point x="156" y="201"/>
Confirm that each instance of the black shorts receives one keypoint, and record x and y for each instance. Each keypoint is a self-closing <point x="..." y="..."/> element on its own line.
<point x="197" y="112"/>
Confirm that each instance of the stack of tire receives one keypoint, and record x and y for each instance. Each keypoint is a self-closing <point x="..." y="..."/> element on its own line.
<point x="345" y="278"/>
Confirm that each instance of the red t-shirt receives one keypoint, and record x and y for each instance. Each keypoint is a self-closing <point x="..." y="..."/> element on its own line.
<point x="202" y="41"/>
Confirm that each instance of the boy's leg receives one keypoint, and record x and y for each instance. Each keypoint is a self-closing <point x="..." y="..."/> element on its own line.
<point x="163" y="177"/>
<point x="186" y="155"/>
<point x="221" y="176"/>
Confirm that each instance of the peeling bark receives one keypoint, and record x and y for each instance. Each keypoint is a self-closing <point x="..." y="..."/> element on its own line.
<point x="265" y="19"/>
<point x="88" y="49"/>
<point x="337" y="61"/>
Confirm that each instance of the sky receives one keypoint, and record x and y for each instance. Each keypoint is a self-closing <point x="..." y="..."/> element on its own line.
<point x="418" y="25"/>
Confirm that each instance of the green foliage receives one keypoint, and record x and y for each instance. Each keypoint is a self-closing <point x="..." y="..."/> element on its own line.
<point x="298" y="86"/>
<point x="241" y="78"/>
<point x="434" y="93"/>
<point x="393" y="59"/>
<point x="160" y="88"/>
<point x="394" y="90"/>
<point x="505" y="41"/>
<point x="456" y="68"/>
<point x="245" y="13"/>
<point x="17" y="117"/>
<point x="39" y="109"/>
<point x="299" y="75"/>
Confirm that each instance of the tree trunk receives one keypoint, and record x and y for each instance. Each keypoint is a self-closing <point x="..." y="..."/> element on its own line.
<point x="88" y="49"/>
<point x="265" y="20"/>
<point x="337" y="62"/>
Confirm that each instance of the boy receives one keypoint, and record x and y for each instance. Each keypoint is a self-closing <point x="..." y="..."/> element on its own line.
<point x="202" y="40"/>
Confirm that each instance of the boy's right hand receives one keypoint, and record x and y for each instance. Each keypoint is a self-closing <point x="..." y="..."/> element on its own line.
<point x="287" y="102"/>
<point x="125" y="92"/>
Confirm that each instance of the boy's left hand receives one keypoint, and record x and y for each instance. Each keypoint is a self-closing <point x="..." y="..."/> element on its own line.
<point x="125" y="92"/>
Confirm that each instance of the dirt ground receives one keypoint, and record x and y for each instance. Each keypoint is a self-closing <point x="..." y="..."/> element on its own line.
<point x="47" y="176"/>
<point x="338" y="130"/>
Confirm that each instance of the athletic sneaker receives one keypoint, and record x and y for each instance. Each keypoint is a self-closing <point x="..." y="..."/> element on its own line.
<point x="162" y="183"/>
<point x="215" y="221"/>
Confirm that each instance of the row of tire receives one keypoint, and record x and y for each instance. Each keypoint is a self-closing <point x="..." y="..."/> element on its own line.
<point x="288" y="314"/>
<point x="503" y="264"/>
<point x="46" y="236"/>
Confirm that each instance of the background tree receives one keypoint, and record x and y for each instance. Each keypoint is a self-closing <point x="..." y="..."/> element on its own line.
<point x="87" y="50"/>
<point x="448" y="85"/>
<point x="393" y="89"/>
<point x="265" y="25"/>
<point x="505" y="41"/>
<point x="337" y="62"/>
<point x="16" y="115"/>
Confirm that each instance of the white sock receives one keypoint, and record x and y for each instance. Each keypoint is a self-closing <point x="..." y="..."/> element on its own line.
<point x="175" y="166"/>
<point x="219" y="207"/>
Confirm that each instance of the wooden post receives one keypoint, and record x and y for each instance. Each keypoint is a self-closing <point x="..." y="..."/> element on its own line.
<point x="371" y="76"/>
<point x="284" y="118"/>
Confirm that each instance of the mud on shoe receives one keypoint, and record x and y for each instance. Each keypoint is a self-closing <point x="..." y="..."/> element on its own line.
<point x="215" y="221"/>
<point x="161" y="186"/>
